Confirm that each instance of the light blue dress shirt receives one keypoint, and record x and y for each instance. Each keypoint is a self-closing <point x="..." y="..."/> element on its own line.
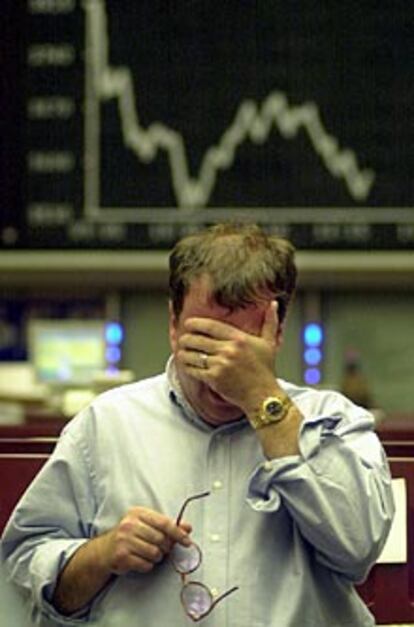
<point x="293" y="533"/>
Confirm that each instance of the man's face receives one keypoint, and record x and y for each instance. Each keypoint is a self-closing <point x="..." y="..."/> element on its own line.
<point x="199" y="303"/>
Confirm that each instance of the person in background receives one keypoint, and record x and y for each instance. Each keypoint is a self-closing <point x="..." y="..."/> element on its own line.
<point x="354" y="383"/>
<point x="215" y="491"/>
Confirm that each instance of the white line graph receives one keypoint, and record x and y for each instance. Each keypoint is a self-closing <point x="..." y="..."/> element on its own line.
<point x="253" y="121"/>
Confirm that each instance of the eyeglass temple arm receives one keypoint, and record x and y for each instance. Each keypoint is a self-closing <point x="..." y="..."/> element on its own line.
<point x="186" y="502"/>
<point x="222" y="596"/>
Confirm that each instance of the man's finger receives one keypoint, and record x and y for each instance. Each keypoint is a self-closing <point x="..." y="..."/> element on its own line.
<point x="193" y="359"/>
<point x="149" y="533"/>
<point x="147" y="551"/>
<point x="167" y="526"/>
<point x="186" y="526"/>
<point x="212" y="328"/>
<point x="197" y="342"/>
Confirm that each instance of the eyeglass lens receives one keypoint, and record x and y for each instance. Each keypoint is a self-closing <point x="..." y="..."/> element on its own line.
<point x="186" y="559"/>
<point x="196" y="599"/>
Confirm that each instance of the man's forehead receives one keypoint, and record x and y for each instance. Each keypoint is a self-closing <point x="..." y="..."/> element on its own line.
<point x="201" y="292"/>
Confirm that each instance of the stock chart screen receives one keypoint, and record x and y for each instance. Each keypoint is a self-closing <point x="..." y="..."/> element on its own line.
<point x="130" y="124"/>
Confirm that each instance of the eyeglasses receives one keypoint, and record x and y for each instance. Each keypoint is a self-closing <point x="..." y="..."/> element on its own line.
<point x="196" y="598"/>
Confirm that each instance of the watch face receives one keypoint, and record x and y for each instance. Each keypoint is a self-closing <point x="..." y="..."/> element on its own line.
<point x="274" y="407"/>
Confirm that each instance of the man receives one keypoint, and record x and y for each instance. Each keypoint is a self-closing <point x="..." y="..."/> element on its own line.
<point x="286" y="489"/>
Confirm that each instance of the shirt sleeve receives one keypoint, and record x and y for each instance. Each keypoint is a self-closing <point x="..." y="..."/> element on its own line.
<point x="51" y="521"/>
<point x="337" y="490"/>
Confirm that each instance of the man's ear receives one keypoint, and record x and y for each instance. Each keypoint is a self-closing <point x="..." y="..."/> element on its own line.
<point x="172" y="326"/>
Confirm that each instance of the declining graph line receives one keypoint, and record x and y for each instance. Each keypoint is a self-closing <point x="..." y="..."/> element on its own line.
<point x="252" y="121"/>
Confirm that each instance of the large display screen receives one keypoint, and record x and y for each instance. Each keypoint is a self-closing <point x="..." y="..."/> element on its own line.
<point x="129" y="124"/>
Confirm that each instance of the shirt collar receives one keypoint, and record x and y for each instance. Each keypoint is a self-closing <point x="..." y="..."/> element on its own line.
<point x="177" y="394"/>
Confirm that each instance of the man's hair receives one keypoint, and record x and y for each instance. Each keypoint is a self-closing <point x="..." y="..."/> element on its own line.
<point x="243" y="264"/>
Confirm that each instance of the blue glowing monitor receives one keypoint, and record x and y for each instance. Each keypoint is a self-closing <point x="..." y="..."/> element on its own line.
<point x="67" y="352"/>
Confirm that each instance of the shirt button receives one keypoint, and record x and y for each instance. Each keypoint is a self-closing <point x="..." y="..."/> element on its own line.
<point x="217" y="485"/>
<point x="214" y="592"/>
<point x="268" y="466"/>
<point x="214" y="537"/>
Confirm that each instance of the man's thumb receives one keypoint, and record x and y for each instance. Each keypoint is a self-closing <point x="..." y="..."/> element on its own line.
<point x="270" y="322"/>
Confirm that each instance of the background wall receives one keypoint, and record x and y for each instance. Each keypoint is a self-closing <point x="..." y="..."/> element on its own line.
<point x="380" y="326"/>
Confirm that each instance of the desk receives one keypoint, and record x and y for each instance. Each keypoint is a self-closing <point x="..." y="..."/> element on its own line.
<point x="389" y="589"/>
<point x="22" y="454"/>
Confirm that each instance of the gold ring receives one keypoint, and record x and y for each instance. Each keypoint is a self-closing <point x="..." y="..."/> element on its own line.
<point x="204" y="360"/>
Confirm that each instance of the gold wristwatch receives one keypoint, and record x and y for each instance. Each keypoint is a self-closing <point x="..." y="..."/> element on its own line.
<point x="273" y="409"/>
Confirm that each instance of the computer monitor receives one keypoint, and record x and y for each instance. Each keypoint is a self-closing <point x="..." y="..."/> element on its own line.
<point x="67" y="352"/>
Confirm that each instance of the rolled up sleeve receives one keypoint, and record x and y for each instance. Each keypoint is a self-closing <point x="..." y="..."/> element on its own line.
<point x="337" y="490"/>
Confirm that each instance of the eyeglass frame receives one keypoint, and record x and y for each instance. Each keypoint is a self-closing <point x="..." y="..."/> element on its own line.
<point x="187" y="584"/>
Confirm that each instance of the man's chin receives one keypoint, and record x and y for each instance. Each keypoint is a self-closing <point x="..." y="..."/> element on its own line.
<point x="217" y="420"/>
<point x="219" y="410"/>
